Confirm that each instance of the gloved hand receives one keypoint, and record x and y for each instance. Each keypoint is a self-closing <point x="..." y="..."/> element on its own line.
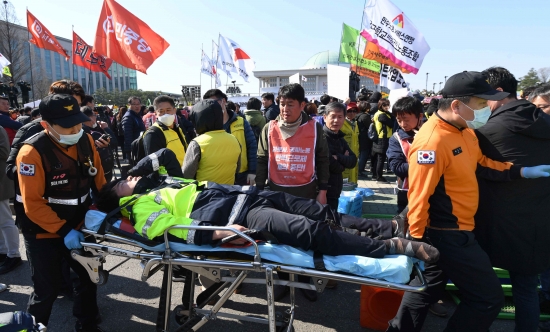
<point x="541" y="171"/>
<point x="73" y="239"/>
<point x="251" y="179"/>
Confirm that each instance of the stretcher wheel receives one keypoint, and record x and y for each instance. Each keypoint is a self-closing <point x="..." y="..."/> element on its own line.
<point x="103" y="277"/>
<point x="192" y="321"/>
<point x="178" y="314"/>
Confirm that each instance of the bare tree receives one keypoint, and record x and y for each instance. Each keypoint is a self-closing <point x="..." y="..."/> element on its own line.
<point x="13" y="42"/>
<point x="544" y="74"/>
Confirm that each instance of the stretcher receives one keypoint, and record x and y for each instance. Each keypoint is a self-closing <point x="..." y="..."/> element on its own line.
<point x="228" y="273"/>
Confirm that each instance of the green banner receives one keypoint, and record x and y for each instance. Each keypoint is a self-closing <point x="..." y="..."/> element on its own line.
<point x="6" y="71"/>
<point x="349" y="46"/>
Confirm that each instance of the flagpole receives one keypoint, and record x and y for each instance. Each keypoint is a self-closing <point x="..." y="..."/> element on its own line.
<point x="359" y="43"/>
<point x="30" y="59"/>
<point x="216" y="69"/>
<point x="200" y="74"/>
<point x="340" y="48"/>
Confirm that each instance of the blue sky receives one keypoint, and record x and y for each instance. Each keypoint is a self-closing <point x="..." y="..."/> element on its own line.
<point x="462" y="34"/>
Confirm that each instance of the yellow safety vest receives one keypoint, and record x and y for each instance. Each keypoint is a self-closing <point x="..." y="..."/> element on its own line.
<point x="379" y="126"/>
<point x="219" y="156"/>
<point x="237" y="130"/>
<point x="173" y="141"/>
<point x="351" y="132"/>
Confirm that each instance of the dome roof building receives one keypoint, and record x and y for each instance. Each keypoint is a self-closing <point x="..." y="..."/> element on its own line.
<point x="315" y="72"/>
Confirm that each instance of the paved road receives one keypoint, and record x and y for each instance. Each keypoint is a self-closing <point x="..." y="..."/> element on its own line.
<point x="128" y="304"/>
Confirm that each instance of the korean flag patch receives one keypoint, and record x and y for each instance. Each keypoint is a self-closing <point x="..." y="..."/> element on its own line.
<point x="26" y="169"/>
<point x="426" y="157"/>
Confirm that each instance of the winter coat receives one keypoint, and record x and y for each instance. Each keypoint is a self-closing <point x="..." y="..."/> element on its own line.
<point x="272" y="112"/>
<point x="337" y="146"/>
<point x="256" y="120"/>
<point x="250" y="141"/>
<point x="8" y="190"/>
<point x="397" y="160"/>
<point x="363" y="122"/>
<point x="381" y="145"/>
<point x="133" y="125"/>
<point x="512" y="222"/>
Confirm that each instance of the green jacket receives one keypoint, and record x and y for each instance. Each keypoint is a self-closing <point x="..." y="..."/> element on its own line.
<point x="255" y="118"/>
<point x="321" y="164"/>
<point x="157" y="210"/>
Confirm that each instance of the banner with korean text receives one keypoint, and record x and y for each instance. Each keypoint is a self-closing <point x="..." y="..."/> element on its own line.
<point x="352" y="45"/>
<point x="126" y="39"/>
<point x="387" y="27"/>
<point x="391" y="78"/>
<point x="84" y="57"/>
<point x="42" y="37"/>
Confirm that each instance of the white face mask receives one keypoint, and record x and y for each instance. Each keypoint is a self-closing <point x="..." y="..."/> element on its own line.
<point x="68" y="139"/>
<point x="167" y="119"/>
<point x="481" y="116"/>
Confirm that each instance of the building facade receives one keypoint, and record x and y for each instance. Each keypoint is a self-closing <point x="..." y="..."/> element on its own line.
<point x="52" y="66"/>
<point x="315" y="72"/>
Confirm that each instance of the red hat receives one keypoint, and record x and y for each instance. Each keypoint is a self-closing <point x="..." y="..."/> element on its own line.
<point x="352" y="105"/>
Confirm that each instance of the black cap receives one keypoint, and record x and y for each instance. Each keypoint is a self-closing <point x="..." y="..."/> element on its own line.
<point x="63" y="109"/>
<point x="471" y="83"/>
<point x="3" y="96"/>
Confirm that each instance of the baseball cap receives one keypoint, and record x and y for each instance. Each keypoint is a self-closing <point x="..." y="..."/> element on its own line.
<point x="471" y="83"/>
<point x="351" y="105"/>
<point x="63" y="109"/>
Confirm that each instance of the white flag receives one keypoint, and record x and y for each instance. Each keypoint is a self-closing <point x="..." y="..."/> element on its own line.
<point x="3" y="63"/>
<point x="216" y="63"/>
<point x="242" y="63"/>
<point x="208" y="67"/>
<point x="304" y="78"/>
<point x="392" y="78"/>
<point x="385" y="25"/>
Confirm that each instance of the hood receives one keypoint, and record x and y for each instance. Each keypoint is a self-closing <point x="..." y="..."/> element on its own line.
<point x="522" y="117"/>
<point x="254" y="117"/>
<point x="375" y="98"/>
<point x="207" y="117"/>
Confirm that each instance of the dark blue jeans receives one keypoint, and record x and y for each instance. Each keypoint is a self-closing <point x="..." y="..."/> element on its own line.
<point x="545" y="284"/>
<point x="364" y="155"/>
<point x="526" y="301"/>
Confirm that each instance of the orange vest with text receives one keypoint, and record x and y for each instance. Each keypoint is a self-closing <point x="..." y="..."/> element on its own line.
<point x="292" y="161"/>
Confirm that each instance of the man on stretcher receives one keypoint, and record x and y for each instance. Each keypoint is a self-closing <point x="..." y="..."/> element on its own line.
<point x="156" y="202"/>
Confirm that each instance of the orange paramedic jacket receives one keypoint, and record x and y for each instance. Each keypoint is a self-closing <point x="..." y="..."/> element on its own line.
<point x="33" y="187"/>
<point x="443" y="190"/>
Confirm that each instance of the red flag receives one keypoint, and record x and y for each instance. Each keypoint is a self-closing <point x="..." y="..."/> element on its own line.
<point x="42" y="37"/>
<point x="126" y="39"/>
<point x="84" y="57"/>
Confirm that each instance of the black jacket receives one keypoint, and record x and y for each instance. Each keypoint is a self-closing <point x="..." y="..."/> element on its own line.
<point x="363" y="122"/>
<point x="381" y="145"/>
<point x="512" y="222"/>
<point x="132" y="125"/>
<point x="272" y="112"/>
<point x="337" y="146"/>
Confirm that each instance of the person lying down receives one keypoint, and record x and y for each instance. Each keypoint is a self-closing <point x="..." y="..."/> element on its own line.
<point x="156" y="202"/>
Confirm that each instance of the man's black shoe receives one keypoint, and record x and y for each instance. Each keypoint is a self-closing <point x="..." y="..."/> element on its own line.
<point x="544" y="306"/>
<point x="79" y="328"/>
<point x="3" y="258"/>
<point x="309" y="294"/>
<point x="545" y="326"/>
<point x="381" y="179"/>
<point x="281" y="292"/>
<point x="9" y="264"/>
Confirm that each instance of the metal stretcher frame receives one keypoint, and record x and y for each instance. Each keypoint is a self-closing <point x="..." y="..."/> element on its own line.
<point x="94" y="255"/>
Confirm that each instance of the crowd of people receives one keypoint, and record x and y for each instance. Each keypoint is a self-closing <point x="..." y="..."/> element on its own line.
<point x="471" y="180"/>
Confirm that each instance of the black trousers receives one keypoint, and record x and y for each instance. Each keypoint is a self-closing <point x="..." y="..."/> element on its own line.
<point x="464" y="262"/>
<point x="299" y="222"/>
<point x="13" y="102"/>
<point x="402" y="200"/>
<point x="45" y="257"/>
<point x="378" y="160"/>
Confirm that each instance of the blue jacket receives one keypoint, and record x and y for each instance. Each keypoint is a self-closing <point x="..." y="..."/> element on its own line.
<point x="132" y="125"/>
<point x="396" y="158"/>
<point x="272" y="112"/>
<point x="251" y="144"/>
